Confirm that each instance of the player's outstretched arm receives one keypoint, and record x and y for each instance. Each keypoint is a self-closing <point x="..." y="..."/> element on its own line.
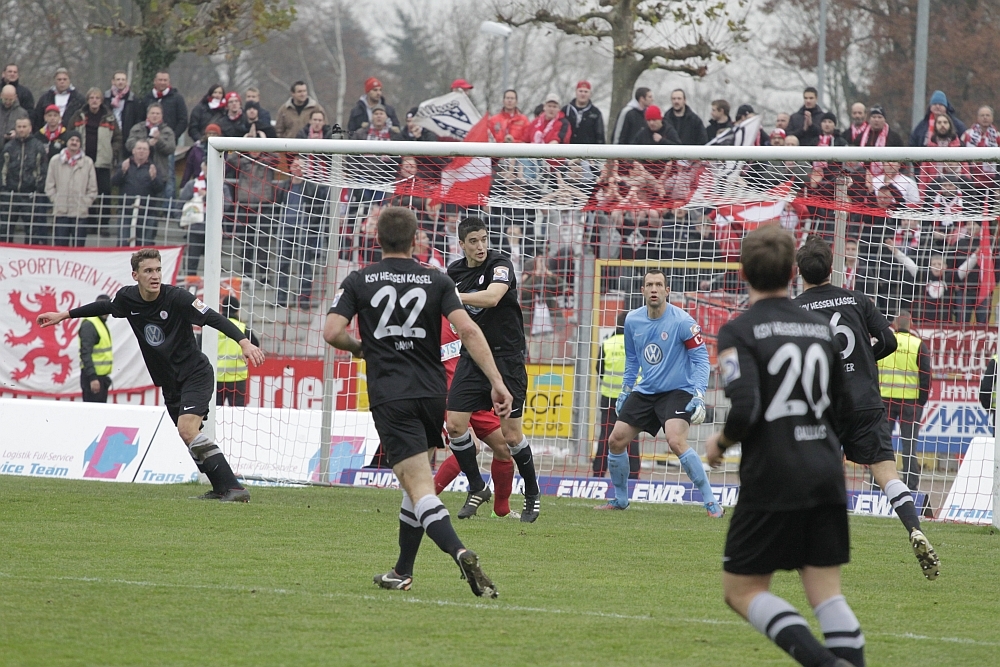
<point x="90" y="310"/>
<point x="335" y="334"/>
<point x="475" y="342"/>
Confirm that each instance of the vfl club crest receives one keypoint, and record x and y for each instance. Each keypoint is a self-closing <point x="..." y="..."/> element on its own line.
<point x="53" y="340"/>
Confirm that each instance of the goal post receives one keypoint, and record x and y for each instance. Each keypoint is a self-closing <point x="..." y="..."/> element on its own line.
<point x="913" y="229"/>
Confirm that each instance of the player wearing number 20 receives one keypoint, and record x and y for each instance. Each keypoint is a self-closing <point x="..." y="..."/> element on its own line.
<point x="780" y="367"/>
<point x="664" y="343"/>
<point x="867" y="440"/>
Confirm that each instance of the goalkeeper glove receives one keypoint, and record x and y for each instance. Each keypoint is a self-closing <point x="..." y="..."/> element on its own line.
<point x="620" y="403"/>
<point x="697" y="408"/>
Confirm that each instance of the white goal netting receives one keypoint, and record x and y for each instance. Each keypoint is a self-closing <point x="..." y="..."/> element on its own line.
<point x="913" y="235"/>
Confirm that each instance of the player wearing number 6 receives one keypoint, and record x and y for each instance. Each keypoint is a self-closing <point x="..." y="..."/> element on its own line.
<point x="867" y="440"/>
<point x="664" y="343"/>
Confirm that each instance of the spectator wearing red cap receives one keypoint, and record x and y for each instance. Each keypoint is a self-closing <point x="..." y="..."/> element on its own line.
<point x="294" y="114"/>
<point x="508" y="126"/>
<point x="361" y="114"/>
<point x="778" y="137"/>
<point x="656" y="133"/>
<point x="52" y="131"/>
<point x="460" y="84"/>
<point x="233" y="123"/>
<point x="551" y="127"/>
<point x="67" y="99"/>
<point x="584" y="118"/>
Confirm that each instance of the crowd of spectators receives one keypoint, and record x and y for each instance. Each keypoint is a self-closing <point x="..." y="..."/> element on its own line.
<point x="69" y="151"/>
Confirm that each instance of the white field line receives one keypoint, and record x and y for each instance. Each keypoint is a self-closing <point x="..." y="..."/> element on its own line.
<point x="497" y="606"/>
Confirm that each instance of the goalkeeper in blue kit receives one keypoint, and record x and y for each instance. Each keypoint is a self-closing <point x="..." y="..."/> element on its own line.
<point x="664" y="343"/>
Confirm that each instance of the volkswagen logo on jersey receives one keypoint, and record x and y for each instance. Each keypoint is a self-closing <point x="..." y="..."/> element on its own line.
<point x="154" y="335"/>
<point x="652" y="354"/>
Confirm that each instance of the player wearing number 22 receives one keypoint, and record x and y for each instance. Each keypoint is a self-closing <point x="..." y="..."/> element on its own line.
<point x="399" y="305"/>
<point x="664" y="343"/>
<point x="780" y="368"/>
<point x="867" y="439"/>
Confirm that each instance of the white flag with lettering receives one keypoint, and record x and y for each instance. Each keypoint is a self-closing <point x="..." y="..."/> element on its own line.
<point x="451" y="115"/>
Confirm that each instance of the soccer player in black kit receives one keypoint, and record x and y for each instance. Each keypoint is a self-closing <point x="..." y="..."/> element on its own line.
<point x="487" y="285"/>
<point x="781" y="370"/>
<point x="399" y="304"/>
<point x="161" y="317"/>
<point x="867" y="439"/>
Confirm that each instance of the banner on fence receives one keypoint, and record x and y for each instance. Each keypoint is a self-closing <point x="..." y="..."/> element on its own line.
<point x="36" y="279"/>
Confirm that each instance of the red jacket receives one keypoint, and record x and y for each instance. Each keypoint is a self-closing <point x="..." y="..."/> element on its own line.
<point x="544" y="131"/>
<point x="505" y="123"/>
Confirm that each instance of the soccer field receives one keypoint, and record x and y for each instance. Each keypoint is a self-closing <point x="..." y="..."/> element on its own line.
<point x="117" y="574"/>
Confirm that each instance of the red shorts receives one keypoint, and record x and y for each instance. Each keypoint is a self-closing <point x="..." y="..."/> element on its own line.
<point x="484" y="422"/>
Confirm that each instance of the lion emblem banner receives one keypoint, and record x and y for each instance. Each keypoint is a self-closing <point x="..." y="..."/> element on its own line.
<point x="34" y="280"/>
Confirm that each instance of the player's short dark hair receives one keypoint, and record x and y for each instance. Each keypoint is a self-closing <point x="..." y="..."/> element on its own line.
<point x="767" y="256"/>
<point x="469" y="225"/>
<point x="641" y="93"/>
<point x="812" y="90"/>
<point x="145" y="253"/>
<point x="297" y="84"/>
<point x="721" y="105"/>
<point x="815" y="259"/>
<point x="654" y="272"/>
<point x="396" y="228"/>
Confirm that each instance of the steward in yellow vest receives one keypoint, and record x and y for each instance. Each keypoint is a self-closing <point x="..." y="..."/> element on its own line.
<point x="988" y="390"/>
<point x="905" y="383"/>
<point x="96" y="360"/>
<point x="232" y="372"/>
<point x="611" y="370"/>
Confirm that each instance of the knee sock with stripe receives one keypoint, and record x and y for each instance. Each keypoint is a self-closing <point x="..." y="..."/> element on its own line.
<point x="464" y="450"/>
<point x="784" y="626"/>
<point x="411" y="532"/>
<point x="899" y="495"/>
<point x="434" y="517"/>
<point x="841" y="630"/>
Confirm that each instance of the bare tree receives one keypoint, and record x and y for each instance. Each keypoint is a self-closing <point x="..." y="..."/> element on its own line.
<point x="673" y="35"/>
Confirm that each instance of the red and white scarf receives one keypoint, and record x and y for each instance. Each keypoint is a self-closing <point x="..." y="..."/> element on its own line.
<point x="200" y="185"/>
<point x="907" y="238"/>
<point x="214" y="104"/>
<point x="118" y="97"/>
<point x="858" y="130"/>
<point x="824" y="140"/>
<point x="378" y="135"/>
<point x="879" y="140"/>
<point x="52" y="135"/>
<point x="236" y="117"/>
<point x="315" y="134"/>
<point x="975" y="136"/>
<point x="158" y="95"/>
<point x="68" y="159"/>
<point x="150" y="127"/>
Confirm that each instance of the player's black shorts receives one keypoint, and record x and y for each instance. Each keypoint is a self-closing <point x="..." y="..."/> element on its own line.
<point x="470" y="388"/>
<point x="409" y="426"/>
<point x="193" y="396"/>
<point x="650" y="411"/>
<point x="868" y="439"/>
<point x="763" y="542"/>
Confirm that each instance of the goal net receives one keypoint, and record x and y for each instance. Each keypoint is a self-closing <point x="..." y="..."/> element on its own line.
<point x="915" y="230"/>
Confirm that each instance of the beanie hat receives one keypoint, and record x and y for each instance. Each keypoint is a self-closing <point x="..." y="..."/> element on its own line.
<point x="829" y="115"/>
<point x="231" y="95"/>
<point x="938" y="97"/>
<point x="69" y="135"/>
<point x="877" y="110"/>
<point x="213" y="127"/>
<point x="372" y="82"/>
<point x="778" y="132"/>
<point x="653" y="113"/>
<point x="744" y="111"/>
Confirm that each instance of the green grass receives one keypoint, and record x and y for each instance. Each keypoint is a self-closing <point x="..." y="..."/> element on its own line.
<point x="113" y="574"/>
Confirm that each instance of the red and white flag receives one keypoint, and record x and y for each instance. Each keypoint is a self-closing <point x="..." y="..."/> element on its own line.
<point x="752" y="214"/>
<point x="987" y="264"/>
<point x="466" y="180"/>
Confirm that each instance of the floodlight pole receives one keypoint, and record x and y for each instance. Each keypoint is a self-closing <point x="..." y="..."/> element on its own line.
<point x="821" y="59"/>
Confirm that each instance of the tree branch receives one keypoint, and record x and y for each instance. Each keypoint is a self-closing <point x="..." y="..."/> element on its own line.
<point x="119" y="29"/>
<point x="700" y="49"/>
<point x="570" y="25"/>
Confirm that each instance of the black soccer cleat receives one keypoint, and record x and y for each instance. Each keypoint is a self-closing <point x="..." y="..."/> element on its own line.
<point x="393" y="582"/>
<point x="532" y="506"/>
<point x="480" y="584"/>
<point x="235" y="496"/>
<point x="473" y="501"/>
<point x="209" y="495"/>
